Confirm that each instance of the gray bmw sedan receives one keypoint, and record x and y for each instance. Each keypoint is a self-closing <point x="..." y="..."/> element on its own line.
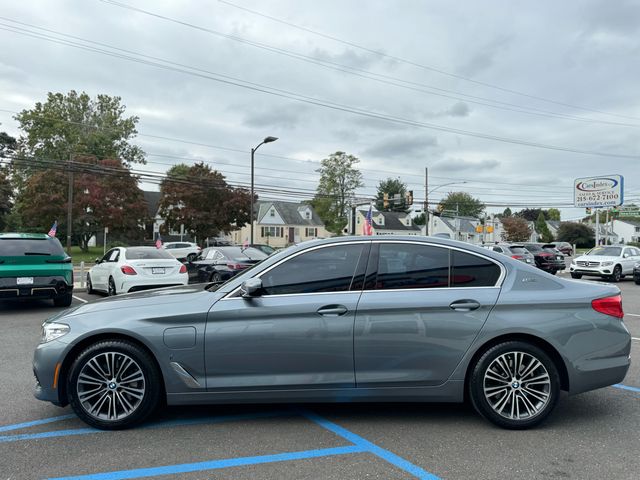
<point x="359" y="319"/>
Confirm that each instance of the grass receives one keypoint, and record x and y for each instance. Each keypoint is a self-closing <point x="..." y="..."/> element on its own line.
<point x="89" y="257"/>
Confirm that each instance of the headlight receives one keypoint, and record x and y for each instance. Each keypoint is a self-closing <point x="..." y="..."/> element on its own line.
<point x="606" y="264"/>
<point x="573" y="262"/>
<point x="637" y="265"/>
<point x="52" y="330"/>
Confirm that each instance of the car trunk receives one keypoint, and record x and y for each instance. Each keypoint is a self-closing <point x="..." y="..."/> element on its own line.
<point x="155" y="268"/>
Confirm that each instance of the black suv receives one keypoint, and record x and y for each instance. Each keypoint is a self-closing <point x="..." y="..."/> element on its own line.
<point x="547" y="257"/>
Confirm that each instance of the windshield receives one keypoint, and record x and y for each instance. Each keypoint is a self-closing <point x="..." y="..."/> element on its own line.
<point x="17" y="247"/>
<point x="606" y="251"/>
<point x="147" y="253"/>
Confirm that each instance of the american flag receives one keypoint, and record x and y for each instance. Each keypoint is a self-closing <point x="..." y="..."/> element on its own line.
<point x="54" y="229"/>
<point x="159" y="242"/>
<point x="367" y="228"/>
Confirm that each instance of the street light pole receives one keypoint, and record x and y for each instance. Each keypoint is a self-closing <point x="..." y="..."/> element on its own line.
<point x="253" y="151"/>
<point x="427" y="192"/>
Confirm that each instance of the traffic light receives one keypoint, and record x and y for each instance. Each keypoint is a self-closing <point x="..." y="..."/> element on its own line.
<point x="409" y="197"/>
<point x="588" y="209"/>
<point x="385" y="200"/>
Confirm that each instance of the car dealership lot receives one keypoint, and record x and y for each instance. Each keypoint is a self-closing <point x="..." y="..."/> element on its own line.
<point x="593" y="435"/>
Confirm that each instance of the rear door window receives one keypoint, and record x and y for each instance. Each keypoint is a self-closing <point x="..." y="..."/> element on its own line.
<point x="469" y="270"/>
<point x="410" y="266"/>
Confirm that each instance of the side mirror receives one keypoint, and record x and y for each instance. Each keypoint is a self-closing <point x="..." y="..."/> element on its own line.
<point x="98" y="260"/>
<point x="626" y="255"/>
<point x="251" y="288"/>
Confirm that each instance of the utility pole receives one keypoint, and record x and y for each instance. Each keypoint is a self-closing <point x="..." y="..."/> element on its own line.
<point x="70" y="205"/>
<point x="426" y="201"/>
<point x="597" y="227"/>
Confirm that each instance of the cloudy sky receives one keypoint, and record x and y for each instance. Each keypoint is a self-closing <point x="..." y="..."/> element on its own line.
<point x="515" y="98"/>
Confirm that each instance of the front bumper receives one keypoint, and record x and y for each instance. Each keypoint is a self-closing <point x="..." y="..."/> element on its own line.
<point x="47" y="367"/>
<point x="595" y="272"/>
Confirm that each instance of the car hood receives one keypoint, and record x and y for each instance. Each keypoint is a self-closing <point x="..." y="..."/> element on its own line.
<point x="597" y="258"/>
<point x="153" y="299"/>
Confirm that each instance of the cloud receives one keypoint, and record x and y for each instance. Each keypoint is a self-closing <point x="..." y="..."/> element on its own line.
<point x="287" y="117"/>
<point x="460" y="164"/>
<point x="402" y="146"/>
<point x="484" y="58"/>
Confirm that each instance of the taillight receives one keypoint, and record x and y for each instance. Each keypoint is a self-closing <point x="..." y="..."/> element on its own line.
<point x="183" y="269"/>
<point x="235" y="266"/>
<point x="609" y="306"/>
<point x="128" y="270"/>
<point x="517" y="257"/>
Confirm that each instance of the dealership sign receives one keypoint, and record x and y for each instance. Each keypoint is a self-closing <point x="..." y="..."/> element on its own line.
<point x="602" y="191"/>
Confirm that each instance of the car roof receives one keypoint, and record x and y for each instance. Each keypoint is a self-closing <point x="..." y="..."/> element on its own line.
<point x="25" y="236"/>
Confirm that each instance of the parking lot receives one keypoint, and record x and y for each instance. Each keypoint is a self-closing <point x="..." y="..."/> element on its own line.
<point x="592" y="435"/>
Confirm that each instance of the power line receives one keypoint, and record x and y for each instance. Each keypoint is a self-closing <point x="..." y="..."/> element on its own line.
<point x="362" y="73"/>
<point x="422" y="66"/>
<point x="227" y="80"/>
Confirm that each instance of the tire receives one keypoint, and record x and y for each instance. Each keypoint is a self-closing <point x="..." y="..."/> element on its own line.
<point x="553" y="272"/>
<point x="111" y="289"/>
<point x="216" y="278"/>
<point x="617" y="274"/>
<point x="63" y="300"/>
<point x="637" y="280"/>
<point x="500" y="408"/>
<point x="114" y="406"/>
<point x="576" y="275"/>
<point x="89" y="285"/>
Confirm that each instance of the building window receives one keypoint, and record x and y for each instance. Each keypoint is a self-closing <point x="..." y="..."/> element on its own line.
<point x="272" y="212"/>
<point x="271" y="232"/>
<point x="310" y="232"/>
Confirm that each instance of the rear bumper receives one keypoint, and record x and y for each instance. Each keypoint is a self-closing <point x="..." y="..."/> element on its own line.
<point x="140" y="283"/>
<point x="42" y="287"/>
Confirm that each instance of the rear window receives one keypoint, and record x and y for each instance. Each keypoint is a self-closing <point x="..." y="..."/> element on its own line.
<point x="17" y="247"/>
<point x="534" y="248"/>
<point x="143" y="253"/>
<point x="239" y="254"/>
<point x="518" y="250"/>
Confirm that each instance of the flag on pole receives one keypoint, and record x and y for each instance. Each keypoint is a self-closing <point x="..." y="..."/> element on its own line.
<point x="54" y="229"/>
<point x="159" y="241"/>
<point x="367" y="228"/>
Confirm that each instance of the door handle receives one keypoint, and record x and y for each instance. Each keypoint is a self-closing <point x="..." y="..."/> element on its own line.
<point x="332" y="310"/>
<point x="464" y="305"/>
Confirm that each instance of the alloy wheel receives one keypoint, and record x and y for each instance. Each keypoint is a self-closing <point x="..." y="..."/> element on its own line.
<point x="111" y="288"/>
<point x="517" y="385"/>
<point x="111" y="386"/>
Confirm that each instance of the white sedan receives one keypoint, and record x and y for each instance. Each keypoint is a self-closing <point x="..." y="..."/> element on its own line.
<point x="131" y="269"/>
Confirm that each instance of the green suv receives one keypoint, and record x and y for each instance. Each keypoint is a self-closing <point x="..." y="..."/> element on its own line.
<point x="34" y="265"/>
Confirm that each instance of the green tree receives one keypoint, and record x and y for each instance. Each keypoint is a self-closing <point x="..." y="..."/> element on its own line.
<point x="199" y="198"/>
<point x="339" y="178"/>
<point x="392" y="187"/>
<point x="105" y="195"/>
<point x="507" y="212"/>
<point x="577" y="234"/>
<point x="461" y="203"/>
<point x="420" y="219"/>
<point x="8" y="145"/>
<point x="529" y="214"/>
<point x="543" y="229"/>
<point x="516" y="229"/>
<point x="552" y="214"/>
<point x="76" y="124"/>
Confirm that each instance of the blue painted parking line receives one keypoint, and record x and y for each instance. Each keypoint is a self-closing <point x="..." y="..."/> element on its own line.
<point x="51" y="434"/>
<point x="217" y="464"/>
<point x="357" y="440"/>
<point x="33" y="423"/>
<point x="627" y="387"/>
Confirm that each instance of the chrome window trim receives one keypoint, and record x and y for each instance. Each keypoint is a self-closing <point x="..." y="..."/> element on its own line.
<point x="498" y="284"/>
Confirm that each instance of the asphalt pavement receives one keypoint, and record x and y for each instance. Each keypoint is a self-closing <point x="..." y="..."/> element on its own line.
<point x="594" y="435"/>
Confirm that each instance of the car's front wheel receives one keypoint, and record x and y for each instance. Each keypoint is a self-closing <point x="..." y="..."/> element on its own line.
<point x="89" y="284"/>
<point x="515" y="385"/>
<point x="113" y="384"/>
<point x="637" y="280"/>
<point x="111" y="288"/>
<point x="616" y="276"/>
<point x="576" y="275"/>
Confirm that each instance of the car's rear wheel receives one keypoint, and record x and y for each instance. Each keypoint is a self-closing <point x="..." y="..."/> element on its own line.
<point x="114" y="384"/>
<point x="616" y="276"/>
<point x="63" y="300"/>
<point x="576" y="275"/>
<point x="89" y="284"/>
<point x="515" y="385"/>
<point x="216" y="277"/>
<point x="111" y="289"/>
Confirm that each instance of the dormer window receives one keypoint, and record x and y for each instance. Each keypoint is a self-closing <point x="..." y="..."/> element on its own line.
<point x="272" y="212"/>
<point x="307" y="215"/>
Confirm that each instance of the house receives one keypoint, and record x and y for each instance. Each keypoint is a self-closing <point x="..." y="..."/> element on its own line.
<point x="553" y="226"/>
<point x="280" y="224"/>
<point x="626" y="230"/>
<point x="152" y="230"/>
<point x="386" y="223"/>
<point x="499" y="233"/>
<point x="459" y="228"/>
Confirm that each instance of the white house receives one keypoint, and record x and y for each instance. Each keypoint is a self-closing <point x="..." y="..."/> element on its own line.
<point x="386" y="223"/>
<point x="626" y="230"/>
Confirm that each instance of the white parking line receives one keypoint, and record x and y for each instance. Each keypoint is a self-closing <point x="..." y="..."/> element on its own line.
<point x="81" y="299"/>
<point x="632" y="314"/>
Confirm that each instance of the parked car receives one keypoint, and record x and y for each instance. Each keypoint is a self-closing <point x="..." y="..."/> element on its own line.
<point x="264" y="248"/>
<point x="34" y="265"/>
<point x="546" y="259"/>
<point x="514" y="251"/>
<point x="182" y="250"/>
<point x="636" y="273"/>
<point x="611" y="262"/>
<point x="217" y="264"/>
<point x="343" y="319"/>
<point x="565" y="247"/>
<point x="131" y="269"/>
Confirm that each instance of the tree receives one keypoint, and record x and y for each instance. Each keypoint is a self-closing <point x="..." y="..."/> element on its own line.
<point x="515" y="229"/>
<point x="76" y="124"/>
<point x="420" y="219"/>
<point x="105" y="195"/>
<point x="552" y="214"/>
<point x="392" y="187"/>
<point x="507" y="212"/>
<point x="529" y="214"/>
<point x="7" y="147"/>
<point x="461" y="203"/>
<point x="199" y="198"/>
<point x="339" y="178"/>
<point x="543" y="229"/>
<point x="577" y="234"/>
